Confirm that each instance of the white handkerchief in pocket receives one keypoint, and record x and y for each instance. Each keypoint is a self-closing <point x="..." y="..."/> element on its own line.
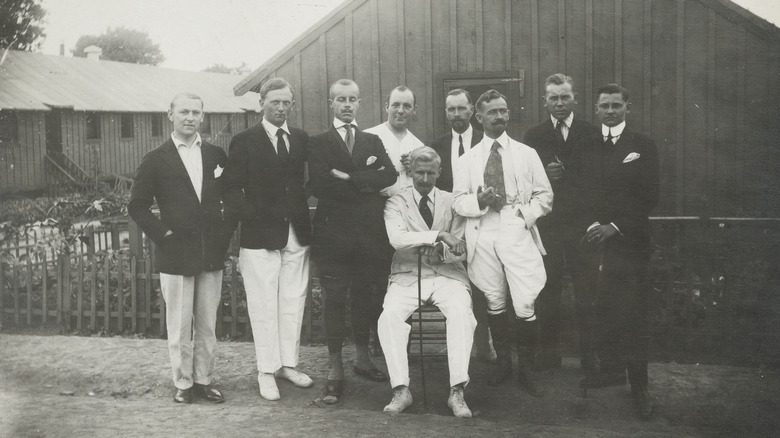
<point x="370" y="160"/>
<point x="631" y="157"/>
<point x="218" y="171"/>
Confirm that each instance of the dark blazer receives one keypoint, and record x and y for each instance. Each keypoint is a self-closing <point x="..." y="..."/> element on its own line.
<point x="443" y="146"/>
<point x="349" y="208"/>
<point x="200" y="234"/>
<point x="629" y="191"/>
<point x="265" y="194"/>
<point x="566" y="218"/>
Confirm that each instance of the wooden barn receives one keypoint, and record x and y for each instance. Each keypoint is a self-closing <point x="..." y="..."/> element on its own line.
<point x="702" y="76"/>
<point x="72" y="120"/>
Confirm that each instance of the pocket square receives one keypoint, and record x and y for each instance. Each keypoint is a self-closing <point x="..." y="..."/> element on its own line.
<point x="371" y="160"/>
<point x="631" y="157"/>
<point x="218" y="171"/>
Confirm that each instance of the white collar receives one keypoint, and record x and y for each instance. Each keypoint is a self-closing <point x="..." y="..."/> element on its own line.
<point x="272" y="129"/>
<point x="567" y="121"/>
<point x="616" y="130"/>
<point x="418" y="196"/>
<point x="469" y="131"/>
<point x="502" y="140"/>
<point x="178" y="142"/>
<point x="338" y="123"/>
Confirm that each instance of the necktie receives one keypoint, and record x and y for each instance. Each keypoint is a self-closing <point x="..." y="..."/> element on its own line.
<point x="608" y="140"/>
<point x="281" y="146"/>
<point x="460" y="145"/>
<point x="348" y="138"/>
<point x="559" y="129"/>
<point x="425" y="212"/>
<point x="494" y="174"/>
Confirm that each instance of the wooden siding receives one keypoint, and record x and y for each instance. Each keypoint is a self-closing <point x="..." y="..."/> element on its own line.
<point x="690" y="66"/>
<point x="22" y="158"/>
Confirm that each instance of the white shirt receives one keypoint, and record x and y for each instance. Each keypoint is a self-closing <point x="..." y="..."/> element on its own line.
<point x="486" y="145"/>
<point x="395" y="148"/>
<point x="431" y="199"/>
<point x="455" y="144"/>
<point x="193" y="160"/>
<point x="616" y="131"/>
<point x="339" y="125"/>
<point x="566" y="124"/>
<point x="272" y="129"/>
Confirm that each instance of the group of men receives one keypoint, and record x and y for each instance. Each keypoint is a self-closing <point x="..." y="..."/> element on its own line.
<point x="469" y="220"/>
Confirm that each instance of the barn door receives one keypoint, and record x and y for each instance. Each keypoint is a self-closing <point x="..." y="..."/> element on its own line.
<point x="510" y="84"/>
<point x="54" y="131"/>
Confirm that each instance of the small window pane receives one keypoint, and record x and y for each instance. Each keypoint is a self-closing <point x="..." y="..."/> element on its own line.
<point x="127" y="126"/>
<point x="93" y="125"/>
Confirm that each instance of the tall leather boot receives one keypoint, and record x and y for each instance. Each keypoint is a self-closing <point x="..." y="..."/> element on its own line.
<point x="527" y="346"/>
<point x="500" y="332"/>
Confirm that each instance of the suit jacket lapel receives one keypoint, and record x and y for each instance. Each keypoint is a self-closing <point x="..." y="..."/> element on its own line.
<point x="172" y="158"/>
<point x="438" y="210"/>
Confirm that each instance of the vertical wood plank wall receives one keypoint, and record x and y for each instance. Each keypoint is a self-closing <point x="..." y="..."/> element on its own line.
<point x="692" y="72"/>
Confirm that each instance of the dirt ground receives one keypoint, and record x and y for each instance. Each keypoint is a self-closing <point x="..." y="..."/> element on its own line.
<point x="54" y="386"/>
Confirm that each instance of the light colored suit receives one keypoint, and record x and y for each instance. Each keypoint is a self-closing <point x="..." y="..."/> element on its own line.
<point x="504" y="248"/>
<point x="445" y="285"/>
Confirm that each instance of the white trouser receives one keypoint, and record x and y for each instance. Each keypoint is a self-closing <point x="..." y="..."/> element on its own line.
<point x="276" y="282"/>
<point x="191" y="305"/>
<point x="507" y="260"/>
<point x="453" y="300"/>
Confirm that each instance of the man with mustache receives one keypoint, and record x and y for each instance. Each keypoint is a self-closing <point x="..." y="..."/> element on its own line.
<point x="396" y="137"/>
<point x="347" y="169"/>
<point x="502" y="190"/>
<point x="265" y="190"/>
<point x="184" y="177"/>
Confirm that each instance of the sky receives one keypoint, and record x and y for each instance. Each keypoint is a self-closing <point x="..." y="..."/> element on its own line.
<point x="194" y="34"/>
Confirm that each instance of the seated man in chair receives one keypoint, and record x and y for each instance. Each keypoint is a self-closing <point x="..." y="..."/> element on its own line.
<point x="420" y="222"/>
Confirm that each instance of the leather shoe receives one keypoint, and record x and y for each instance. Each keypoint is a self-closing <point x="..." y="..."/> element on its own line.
<point x="372" y="374"/>
<point x="644" y="403"/>
<point x="206" y="392"/>
<point x="528" y="384"/>
<point x="402" y="399"/>
<point x="457" y="403"/>
<point x="294" y="376"/>
<point x="183" y="395"/>
<point x="603" y="380"/>
<point x="268" y="389"/>
<point x="331" y="394"/>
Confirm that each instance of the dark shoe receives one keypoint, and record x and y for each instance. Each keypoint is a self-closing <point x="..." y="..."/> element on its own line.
<point x="372" y="374"/>
<point x="499" y="330"/>
<point x="547" y="360"/>
<point x="183" y="395"/>
<point x="644" y="403"/>
<point x="528" y="384"/>
<point x="603" y="380"/>
<point x="206" y="392"/>
<point x="331" y="394"/>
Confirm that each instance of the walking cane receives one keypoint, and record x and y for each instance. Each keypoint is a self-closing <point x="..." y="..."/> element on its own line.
<point x="419" y="321"/>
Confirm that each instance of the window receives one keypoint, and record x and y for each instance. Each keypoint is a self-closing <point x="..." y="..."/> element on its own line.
<point x="205" y="127"/>
<point x="93" y="126"/>
<point x="7" y="127"/>
<point x="128" y="128"/>
<point x="156" y="125"/>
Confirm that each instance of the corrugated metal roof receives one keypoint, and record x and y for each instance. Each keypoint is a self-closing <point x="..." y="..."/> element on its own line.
<point x="33" y="81"/>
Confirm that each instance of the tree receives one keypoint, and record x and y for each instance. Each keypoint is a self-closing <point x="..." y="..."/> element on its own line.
<point x="21" y="24"/>
<point x="222" y="68"/>
<point x="122" y="44"/>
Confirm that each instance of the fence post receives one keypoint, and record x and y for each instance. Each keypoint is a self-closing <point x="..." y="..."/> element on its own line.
<point x="80" y="295"/>
<point x="148" y="293"/>
<point x="45" y="289"/>
<point x="136" y="238"/>
<point x="133" y="294"/>
<point x="120" y="293"/>
<point x="29" y="291"/>
<point x="64" y="291"/>
<point x="2" y="294"/>
<point x="92" y="290"/>
<point x="107" y="295"/>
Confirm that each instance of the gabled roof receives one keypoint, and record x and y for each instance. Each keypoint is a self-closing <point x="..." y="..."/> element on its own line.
<point x="252" y="82"/>
<point x="34" y="81"/>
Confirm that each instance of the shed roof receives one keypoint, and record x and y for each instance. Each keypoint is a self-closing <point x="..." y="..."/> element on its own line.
<point x="34" y="81"/>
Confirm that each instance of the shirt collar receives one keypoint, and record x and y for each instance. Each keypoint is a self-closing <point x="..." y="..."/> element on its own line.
<point x="567" y="121"/>
<point x="616" y="130"/>
<point x="338" y="123"/>
<point x="417" y="196"/>
<point x="272" y="129"/>
<point x="178" y="142"/>
<point x="465" y="133"/>
<point x="502" y="139"/>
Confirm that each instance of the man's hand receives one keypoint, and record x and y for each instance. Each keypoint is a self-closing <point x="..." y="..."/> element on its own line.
<point x="485" y="197"/>
<point x="168" y="233"/>
<point x="433" y="254"/>
<point x="406" y="163"/>
<point x="554" y="170"/>
<point x="600" y="234"/>
<point x="456" y="245"/>
<point x="339" y="174"/>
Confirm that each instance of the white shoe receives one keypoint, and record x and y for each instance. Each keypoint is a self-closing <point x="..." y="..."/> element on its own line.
<point x="457" y="403"/>
<point x="268" y="389"/>
<point x="296" y="377"/>
<point x="402" y="399"/>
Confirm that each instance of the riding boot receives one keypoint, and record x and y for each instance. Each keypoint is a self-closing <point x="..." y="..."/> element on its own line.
<point x="500" y="332"/>
<point x="527" y="346"/>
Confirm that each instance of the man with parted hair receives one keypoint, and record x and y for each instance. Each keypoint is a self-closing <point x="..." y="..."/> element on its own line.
<point x="502" y="191"/>
<point x="398" y="141"/>
<point x="264" y="184"/>
<point x="184" y="177"/>
<point x="562" y="141"/>
<point x="420" y="222"/>
<point x="347" y="170"/>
